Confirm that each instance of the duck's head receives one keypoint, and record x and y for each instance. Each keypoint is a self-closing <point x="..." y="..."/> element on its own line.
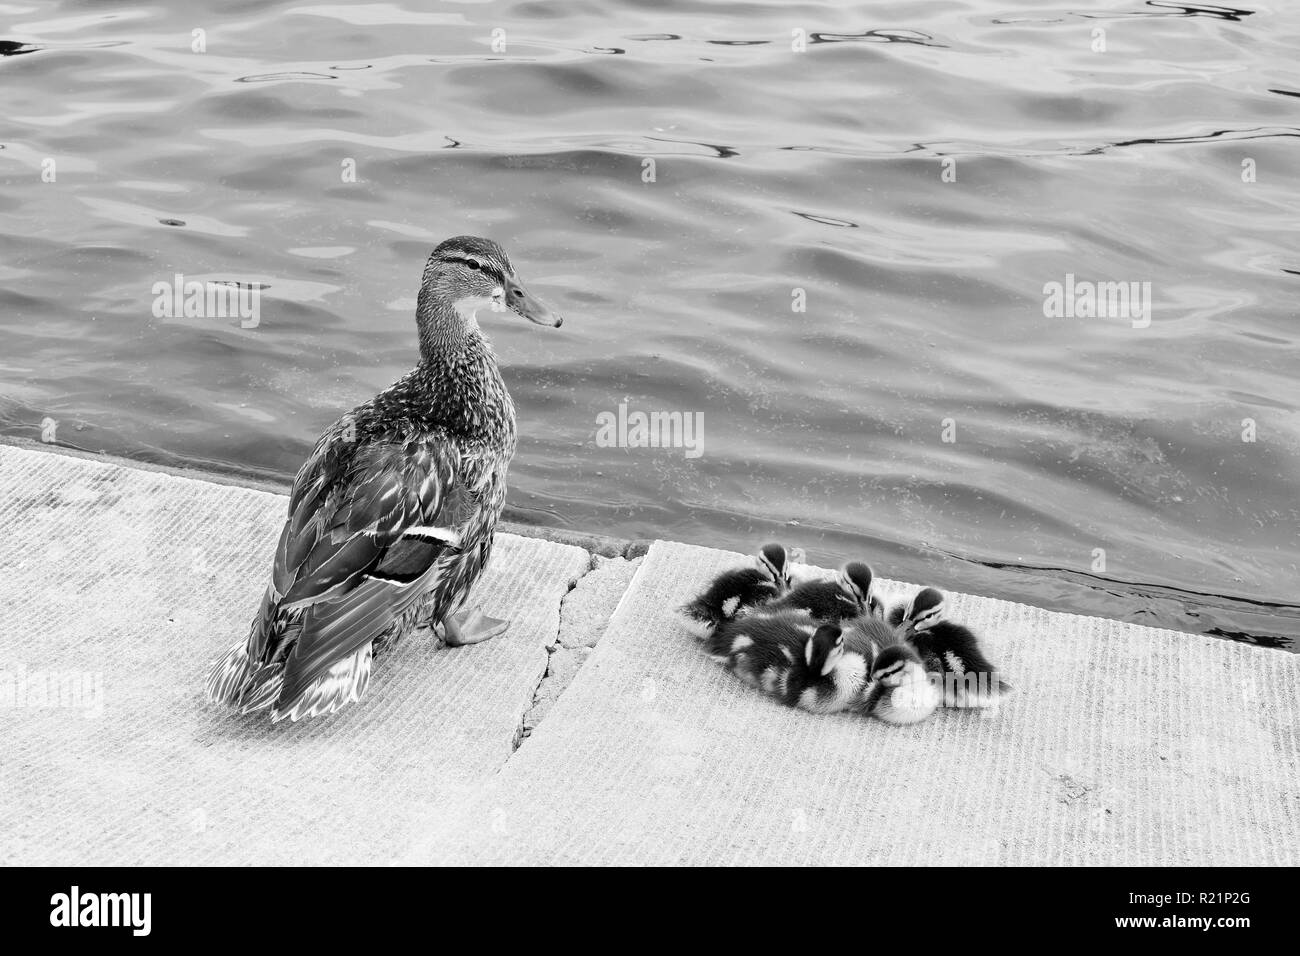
<point x="925" y="610"/>
<point x="896" y="665"/>
<point x="465" y="274"/>
<point x="824" y="649"/>
<point x="855" y="580"/>
<point x="775" y="560"/>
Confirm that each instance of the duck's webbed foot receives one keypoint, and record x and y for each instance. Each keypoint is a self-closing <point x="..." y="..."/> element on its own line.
<point x="471" y="627"/>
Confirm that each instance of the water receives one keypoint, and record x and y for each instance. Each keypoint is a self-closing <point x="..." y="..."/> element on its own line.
<point x="774" y="171"/>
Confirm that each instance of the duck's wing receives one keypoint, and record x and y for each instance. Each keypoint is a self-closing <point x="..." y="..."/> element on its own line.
<point x="365" y="528"/>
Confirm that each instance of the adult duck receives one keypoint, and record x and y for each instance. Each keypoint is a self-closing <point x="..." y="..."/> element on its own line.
<point x="391" y="518"/>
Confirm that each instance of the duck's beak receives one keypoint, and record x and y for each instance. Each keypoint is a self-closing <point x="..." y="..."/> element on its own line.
<point x="520" y="301"/>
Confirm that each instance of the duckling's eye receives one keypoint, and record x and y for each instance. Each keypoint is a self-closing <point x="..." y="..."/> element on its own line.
<point x="473" y="264"/>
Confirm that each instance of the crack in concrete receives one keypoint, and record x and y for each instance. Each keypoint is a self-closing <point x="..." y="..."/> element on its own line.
<point x="585" y="612"/>
<point x="522" y="729"/>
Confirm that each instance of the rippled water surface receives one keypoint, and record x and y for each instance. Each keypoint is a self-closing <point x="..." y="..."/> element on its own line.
<point x="775" y="170"/>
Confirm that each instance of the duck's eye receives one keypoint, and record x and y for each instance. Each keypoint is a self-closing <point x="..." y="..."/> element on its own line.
<point x="473" y="264"/>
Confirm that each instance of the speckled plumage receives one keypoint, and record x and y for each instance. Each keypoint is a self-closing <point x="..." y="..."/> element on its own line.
<point x="899" y="690"/>
<point x="391" y="518"/>
<point x="950" y="650"/>
<point x="869" y="635"/>
<point x="833" y="600"/>
<point x="735" y="591"/>
<point x="784" y="653"/>
<point x="824" y="600"/>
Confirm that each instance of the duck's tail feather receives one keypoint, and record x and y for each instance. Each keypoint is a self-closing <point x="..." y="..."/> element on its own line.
<point x="242" y="668"/>
<point x="234" y="682"/>
<point x="228" y="675"/>
<point x="344" y="683"/>
<point x="261" y="689"/>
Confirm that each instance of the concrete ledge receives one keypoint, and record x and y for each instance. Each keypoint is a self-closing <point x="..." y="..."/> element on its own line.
<point x="142" y="578"/>
<point x="602" y="544"/>
<point x="1122" y="744"/>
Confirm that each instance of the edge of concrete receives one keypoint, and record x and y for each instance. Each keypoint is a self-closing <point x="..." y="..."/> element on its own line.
<point x="609" y="546"/>
<point x="616" y="698"/>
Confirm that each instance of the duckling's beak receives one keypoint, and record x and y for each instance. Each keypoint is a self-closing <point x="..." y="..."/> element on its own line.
<point x="520" y="301"/>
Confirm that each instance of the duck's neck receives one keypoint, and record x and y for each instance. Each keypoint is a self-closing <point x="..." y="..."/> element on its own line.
<point x="444" y="333"/>
<point x="458" y="369"/>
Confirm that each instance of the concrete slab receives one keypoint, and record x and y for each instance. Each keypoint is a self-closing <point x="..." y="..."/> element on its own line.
<point x="588" y="608"/>
<point x="585" y="613"/>
<point x="136" y="580"/>
<point x="1121" y="745"/>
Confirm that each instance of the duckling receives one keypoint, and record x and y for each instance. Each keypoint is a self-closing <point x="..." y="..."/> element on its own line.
<point x="732" y="592"/>
<point x="391" y="518"/>
<point x="790" y="657"/>
<point x="869" y="635"/>
<point x="899" y="691"/>
<point x="849" y="594"/>
<point x="969" y="678"/>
